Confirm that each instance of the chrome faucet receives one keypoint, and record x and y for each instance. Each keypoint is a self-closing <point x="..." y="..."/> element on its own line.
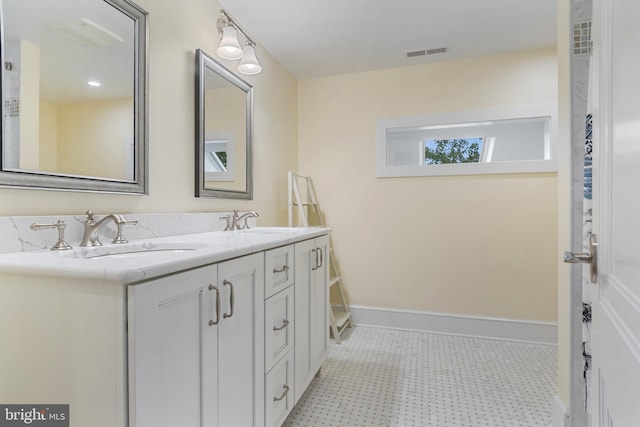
<point x="245" y="217"/>
<point x="92" y="228"/>
<point x="233" y="221"/>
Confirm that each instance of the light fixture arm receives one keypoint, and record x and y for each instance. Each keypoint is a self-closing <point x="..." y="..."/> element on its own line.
<point x="226" y="20"/>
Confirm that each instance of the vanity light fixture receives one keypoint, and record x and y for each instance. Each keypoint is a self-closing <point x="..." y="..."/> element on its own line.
<point x="249" y="63"/>
<point x="93" y="83"/>
<point x="229" y="47"/>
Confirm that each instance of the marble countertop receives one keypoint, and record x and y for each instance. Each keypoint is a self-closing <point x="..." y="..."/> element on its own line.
<point x="148" y="258"/>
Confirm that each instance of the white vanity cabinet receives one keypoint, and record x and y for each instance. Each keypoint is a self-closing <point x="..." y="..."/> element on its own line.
<point x="196" y="346"/>
<point x="220" y="329"/>
<point x="311" y="310"/>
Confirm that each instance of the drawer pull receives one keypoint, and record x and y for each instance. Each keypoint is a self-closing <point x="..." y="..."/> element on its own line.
<point x="281" y="270"/>
<point x="283" y="395"/>
<point x="285" y="322"/>
<point x="215" y="322"/>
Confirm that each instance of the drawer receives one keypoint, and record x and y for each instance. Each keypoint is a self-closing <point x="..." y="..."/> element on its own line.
<point x="278" y="332"/>
<point x="279" y="392"/>
<point x="278" y="269"/>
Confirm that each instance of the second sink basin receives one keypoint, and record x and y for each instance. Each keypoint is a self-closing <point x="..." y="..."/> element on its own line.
<point x="138" y="250"/>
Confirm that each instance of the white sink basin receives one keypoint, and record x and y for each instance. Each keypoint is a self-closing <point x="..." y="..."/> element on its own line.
<point x="136" y="250"/>
<point x="269" y="230"/>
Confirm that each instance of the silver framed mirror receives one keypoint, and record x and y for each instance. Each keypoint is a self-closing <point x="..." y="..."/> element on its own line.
<point x="224" y="131"/>
<point x="74" y="95"/>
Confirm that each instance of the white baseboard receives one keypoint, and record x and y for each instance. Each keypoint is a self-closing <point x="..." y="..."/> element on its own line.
<point x="559" y="413"/>
<point x="455" y="324"/>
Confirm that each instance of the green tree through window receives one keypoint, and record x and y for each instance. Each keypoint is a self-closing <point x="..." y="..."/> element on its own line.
<point x="452" y="151"/>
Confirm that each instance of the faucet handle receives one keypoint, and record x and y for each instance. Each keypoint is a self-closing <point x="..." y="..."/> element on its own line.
<point x="90" y="214"/>
<point x="228" y="219"/>
<point x="60" y="245"/>
<point x="120" y="238"/>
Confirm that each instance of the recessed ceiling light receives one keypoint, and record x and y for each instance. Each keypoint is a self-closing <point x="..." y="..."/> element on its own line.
<point x="93" y="83"/>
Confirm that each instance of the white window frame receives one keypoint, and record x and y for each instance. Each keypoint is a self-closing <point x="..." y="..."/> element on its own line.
<point x="384" y="170"/>
<point x="228" y="138"/>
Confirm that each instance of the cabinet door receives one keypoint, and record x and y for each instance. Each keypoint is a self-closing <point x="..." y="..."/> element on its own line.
<point x="241" y="342"/>
<point x="172" y="350"/>
<point x="319" y="305"/>
<point x="311" y="310"/>
<point x="305" y="261"/>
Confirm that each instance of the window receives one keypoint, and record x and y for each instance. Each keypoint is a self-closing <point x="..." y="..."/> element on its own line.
<point x="218" y="156"/>
<point x="517" y="140"/>
<point x="442" y="151"/>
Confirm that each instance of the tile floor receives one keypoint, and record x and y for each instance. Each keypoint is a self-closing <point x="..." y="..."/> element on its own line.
<point x="386" y="377"/>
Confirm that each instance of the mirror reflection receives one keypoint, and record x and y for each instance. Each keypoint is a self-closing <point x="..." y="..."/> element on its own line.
<point x="73" y="91"/>
<point x="223" y="146"/>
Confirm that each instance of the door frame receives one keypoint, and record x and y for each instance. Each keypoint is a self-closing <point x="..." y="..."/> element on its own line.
<point x="580" y="11"/>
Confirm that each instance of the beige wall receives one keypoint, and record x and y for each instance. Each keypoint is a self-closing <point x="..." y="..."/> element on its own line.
<point x="29" y="105"/>
<point x="93" y="137"/>
<point x="176" y="30"/>
<point x="48" y="137"/>
<point x="477" y="245"/>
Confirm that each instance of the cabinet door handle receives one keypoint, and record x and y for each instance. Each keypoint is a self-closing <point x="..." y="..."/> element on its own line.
<point x="321" y="251"/>
<point x="283" y="395"/>
<point x="285" y="322"/>
<point x="215" y="322"/>
<point x="315" y="259"/>
<point x="281" y="270"/>
<point x="227" y="315"/>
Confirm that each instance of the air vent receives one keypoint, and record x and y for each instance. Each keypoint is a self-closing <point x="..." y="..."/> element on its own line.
<point x="416" y="53"/>
<point x="85" y="31"/>
<point x="425" y="52"/>
<point x="436" y="51"/>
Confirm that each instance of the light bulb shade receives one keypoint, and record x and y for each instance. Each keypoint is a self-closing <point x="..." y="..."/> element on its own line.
<point x="249" y="63"/>
<point x="229" y="47"/>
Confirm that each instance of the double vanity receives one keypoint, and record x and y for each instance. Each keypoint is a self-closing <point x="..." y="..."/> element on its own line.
<point x="205" y="328"/>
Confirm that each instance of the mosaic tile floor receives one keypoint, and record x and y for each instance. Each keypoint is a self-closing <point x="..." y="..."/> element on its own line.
<point x="385" y="377"/>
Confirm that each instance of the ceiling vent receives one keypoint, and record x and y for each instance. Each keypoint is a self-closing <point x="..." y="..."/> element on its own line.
<point x="426" y="52"/>
<point x="85" y="31"/>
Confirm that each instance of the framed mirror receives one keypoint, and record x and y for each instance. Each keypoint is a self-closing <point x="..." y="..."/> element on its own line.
<point x="224" y="123"/>
<point x="74" y="95"/>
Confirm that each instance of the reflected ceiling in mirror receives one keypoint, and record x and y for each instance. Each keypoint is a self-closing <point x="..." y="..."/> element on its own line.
<point x="223" y="131"/>
<point x="74" y="95"/>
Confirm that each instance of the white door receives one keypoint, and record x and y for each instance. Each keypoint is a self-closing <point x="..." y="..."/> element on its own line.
<point x="615" y="331"/>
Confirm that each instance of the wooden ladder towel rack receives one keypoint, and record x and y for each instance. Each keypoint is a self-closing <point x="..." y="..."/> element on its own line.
<point x="304" y="210"/>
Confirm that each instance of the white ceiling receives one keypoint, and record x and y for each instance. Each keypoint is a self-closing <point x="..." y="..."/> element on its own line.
<point x="314" y="38"/>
